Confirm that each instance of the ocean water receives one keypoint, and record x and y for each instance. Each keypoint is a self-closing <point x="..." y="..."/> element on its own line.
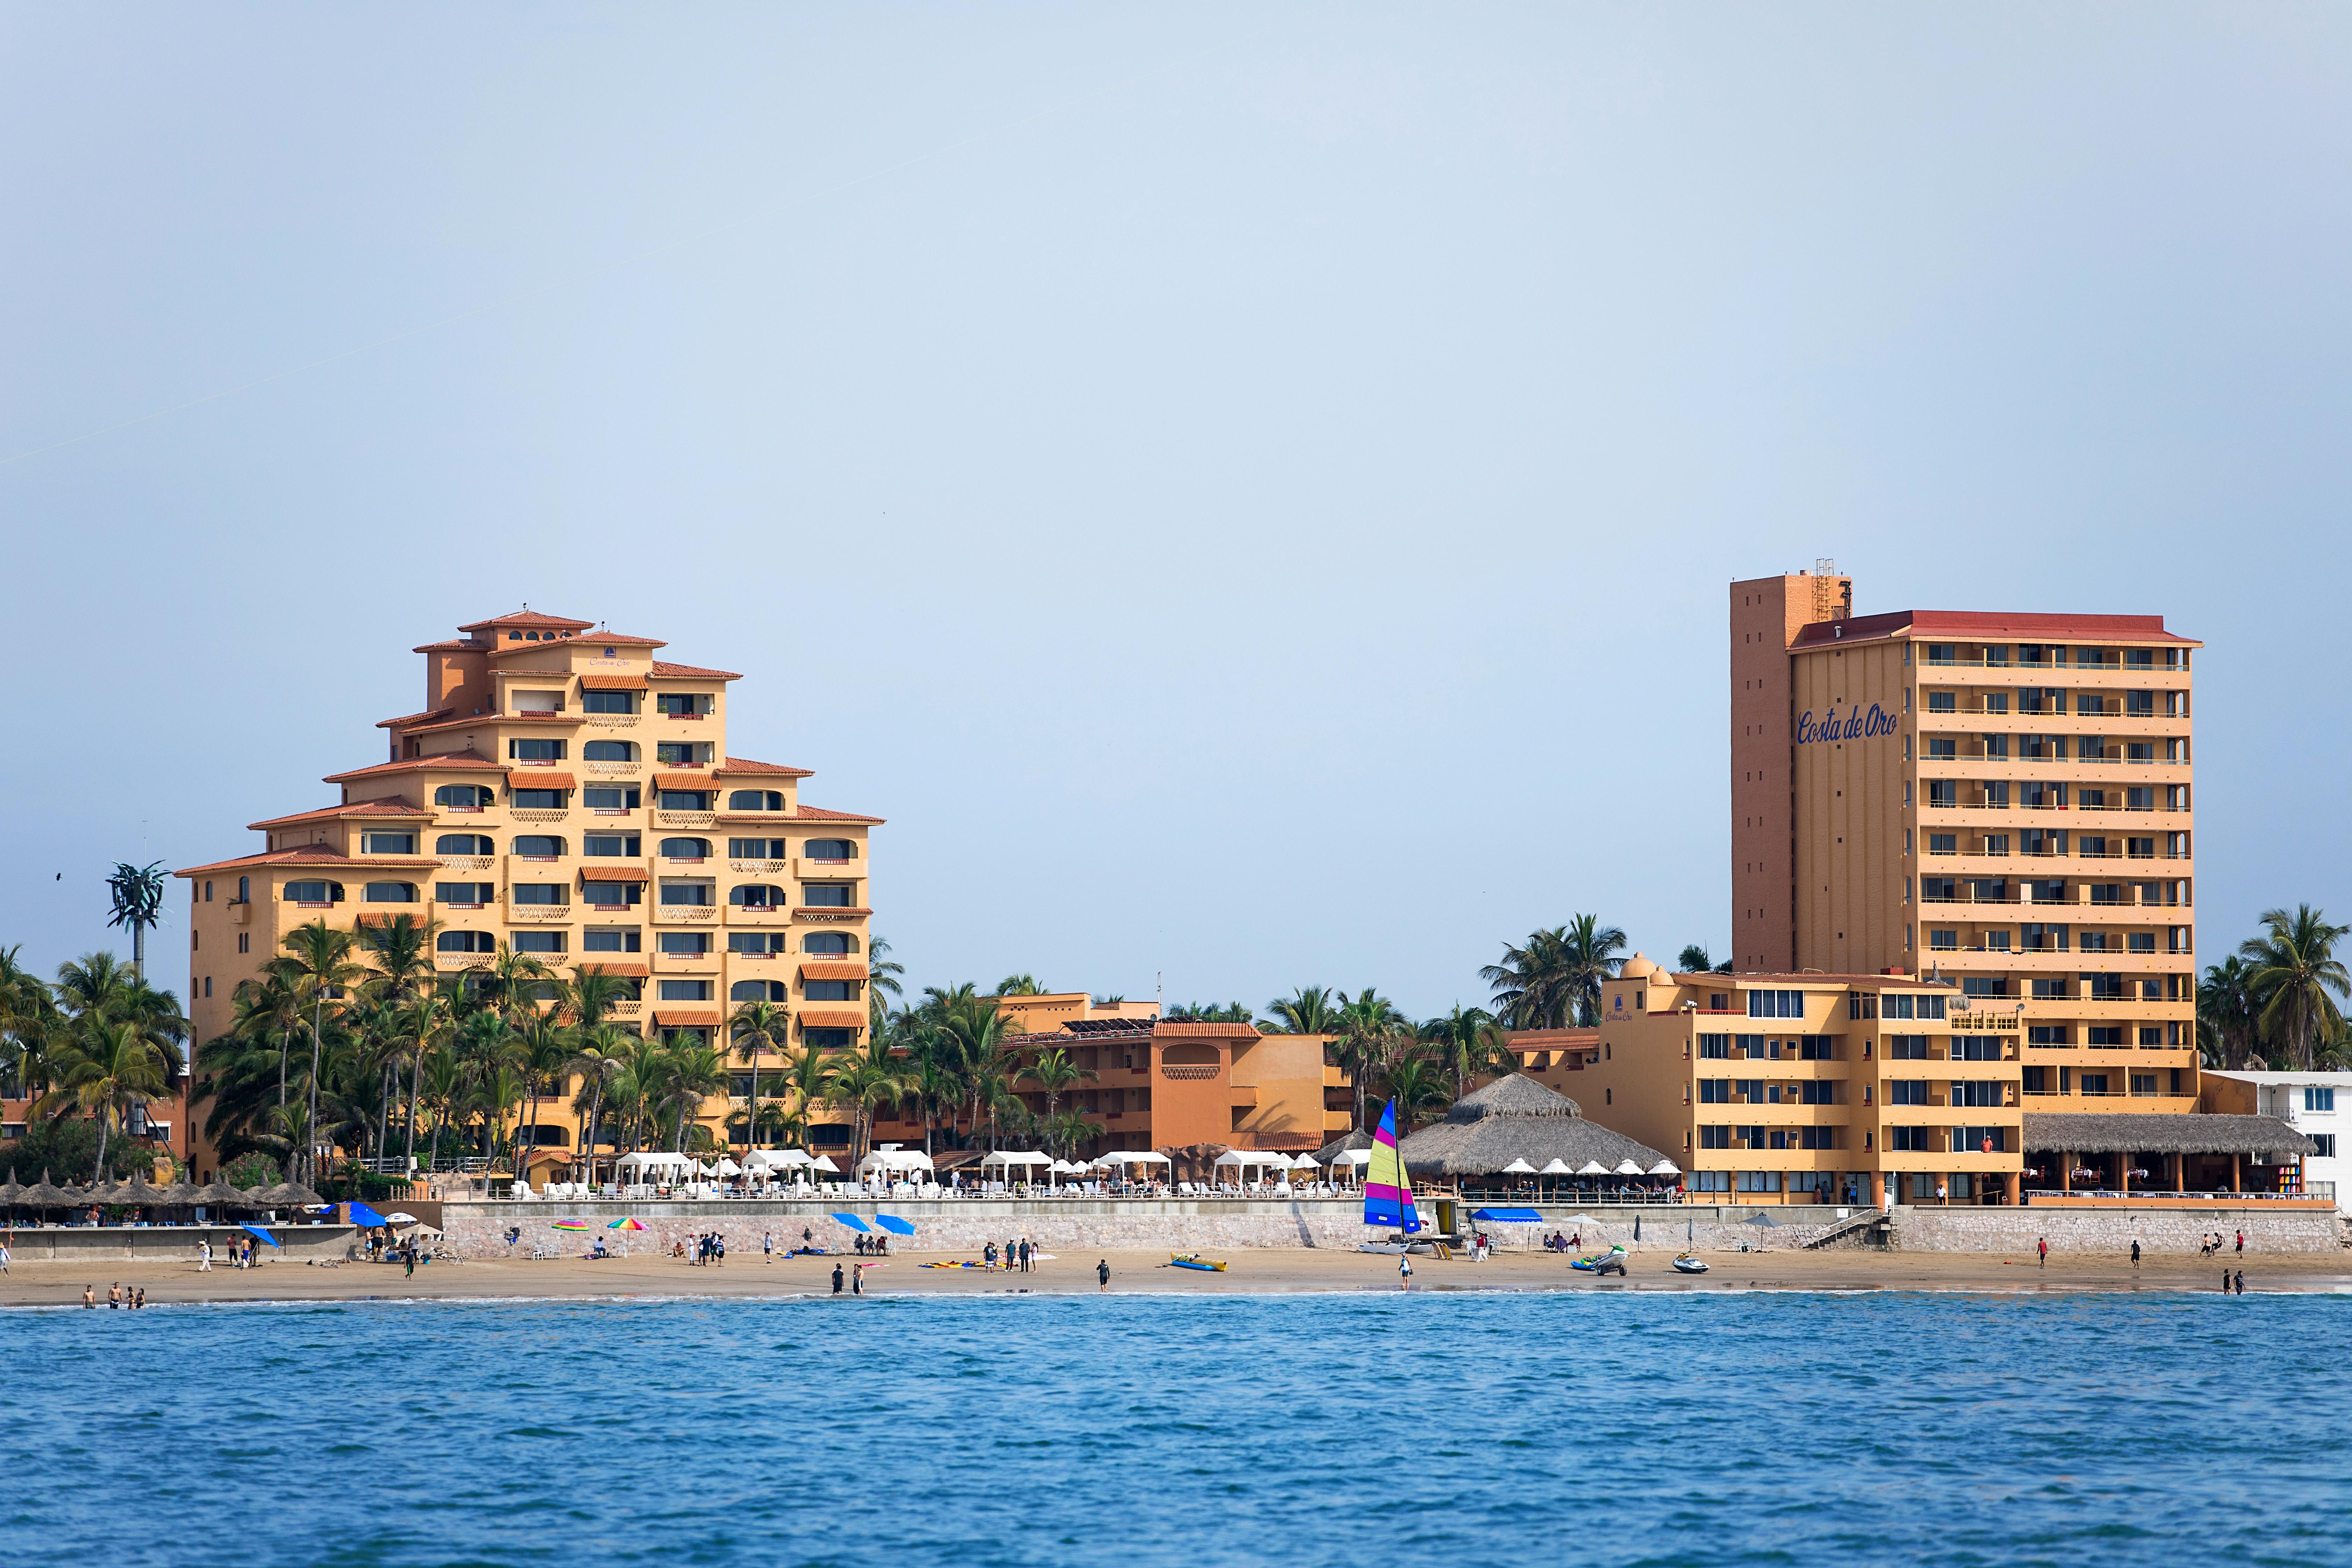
<point x="1431" y="1428"/>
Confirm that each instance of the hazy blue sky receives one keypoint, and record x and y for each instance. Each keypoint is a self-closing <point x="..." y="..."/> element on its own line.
<point x="1248" y="491"/>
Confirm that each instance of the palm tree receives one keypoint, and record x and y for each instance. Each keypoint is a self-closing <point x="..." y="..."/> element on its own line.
<point x="804" y="1080"/>
<point x="1309" y="1010"/>
<point x="861" y="1080"/>
<point x="2226" y="1015"/>
<point x="696" y="1071"/>
<point x="1470" y="1045"/>
<point x="1055" y="1071"/>
<point x="1694" y="959"/>
<point x="1370" y="1032"/>
<point x="882" y="979"/>
<point x="1590" y="953"/>
<point x="1530" y="985"/>
<point x="511" y="980"/>
<point x="2294" y="968"/>
<point x="28" y="1009"/>
<point x="107" y="1066"/>
<point x="1417" y="1084"/>
<point x="423" y="1022"/>
<point x="759" y="1027"/>
<point x="591" y="993"/>
<point x="402" y="951"/>
<point x="317" y="965"/>
<point x="546" y="1051"/>
<point x="598" y="1051"/>
<point x="1019" y="986"/>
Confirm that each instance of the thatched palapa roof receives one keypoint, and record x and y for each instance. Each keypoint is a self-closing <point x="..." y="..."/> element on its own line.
<point x="1516" y="1118"/>
<point x="1359" y="1139"/>
<point x="2124" y="1133"/>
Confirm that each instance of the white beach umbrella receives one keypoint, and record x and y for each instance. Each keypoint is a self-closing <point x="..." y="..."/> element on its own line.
<point x="1556" y="1167"/>
<point x="1519" y="1168"/>
<point x="1627" y="1168"/>
<point x="824" y="1163"/>
<point x="1352" y="1157"/>
<point x="1236" y="1157"/>
<point x="1665" y="1168"/>
<point x="398" y="1218"/>
<point x="1592" y="1168"/>
<point x="728" y="1167"/>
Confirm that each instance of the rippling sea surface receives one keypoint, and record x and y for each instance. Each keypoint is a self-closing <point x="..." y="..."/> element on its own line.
<point x="1131" y="1430"/>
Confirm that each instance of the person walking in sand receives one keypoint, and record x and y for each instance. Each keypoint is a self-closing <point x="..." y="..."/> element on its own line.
<point x="836" y="1278"/>
<point x="2044" y="1248"/>
<point x="1102" y="1277"/>
<point x="2241" y="1243"/>
<point x="204" y="1257"/>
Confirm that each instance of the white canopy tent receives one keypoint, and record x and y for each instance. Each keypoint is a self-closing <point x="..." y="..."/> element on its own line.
<point x="1665" y="1168"/>
<point x="671" y="1163"/>
<point x="1024" y="1158"/>
<point x="1627" y="1168"/>
<point x="824" y="1163"/>
<point x="775" y="1159"/>
<point x="892" y="1159"/>
<point x="1352" y="1157"/>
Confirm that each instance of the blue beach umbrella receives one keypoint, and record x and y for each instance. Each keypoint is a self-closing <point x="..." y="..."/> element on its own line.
<point x="894" y="1224"/>
<point x="362" y="1215"/>
<point x="264" y="1234"/>
<point x="1508" y="1216"/>
<point x="854" y="1223"/>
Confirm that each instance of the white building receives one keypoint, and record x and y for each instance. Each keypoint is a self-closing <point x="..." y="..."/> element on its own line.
<point x="2308" y="1102"/>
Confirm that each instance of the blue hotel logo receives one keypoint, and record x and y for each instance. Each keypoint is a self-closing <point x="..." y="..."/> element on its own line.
<point x="1856" y="726"/>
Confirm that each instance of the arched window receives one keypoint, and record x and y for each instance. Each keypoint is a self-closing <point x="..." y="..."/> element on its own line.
<point x="686" y="849"/>
<point x="611" y="751"/>
<point x="463" y="797"/>
<point x="463" y="844"/>
<point x="755" y="800"/>
<point x="757" y="896"/>
<point x="244" y="889"/>
<point x="389" y="893"/>
<point x="465" y="942"/>
<point x="538" y="846"/>
<point x="826" y="941"/>
<point x="829" y="849"/>
<point x="757" y="991"/>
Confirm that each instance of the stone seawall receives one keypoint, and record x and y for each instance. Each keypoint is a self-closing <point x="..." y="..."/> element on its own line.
<point x="1178" y="1225"/>
<point x="173" y="1243"/>
<point x="2268" y="1229"/>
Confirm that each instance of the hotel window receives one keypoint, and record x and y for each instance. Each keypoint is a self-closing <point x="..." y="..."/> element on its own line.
<point x="676" y="704"/>
<point x="1942" y="940"/>
<point x="758" y="848"/>
<point x="244" y="938"/>
<point x="2142" y="798"/>
<point x="1943" y="702"/>
<point x="2139" y="751"/>
<point x="1996" y="747"/>
<point x="389" y="893"/>
<point x="465" y="844"/>
<point x="1942" y="748"/>
<point x="756" y="896"/>
<point x="2043" y="938"/>
<point x="826" y="898"/>
<point x="610" y="895"/>
<point x="1996" y="942"/>
<point x="1714" y="1091"/>
<point x="2049" y="989"/>
<point x="758" y="990"/>
<point x="609" y="845"/>
<point x="1711" y="1180"/>
<point x="1940" y="890"/>
<point x="610" y="751"/>
<point x="829" y="1040"/>
<point x="2139" y="704"/>
<point x="2103" y="1034"/>
<point x="608" y="702"/>
<point x="1760" y="1181"/>
<point x="1910" y="1140"/>
<point x="1943" y="793"/>
<point x="1860" y="1005"/>
<point x="829" y="849"/>
<point x="689" y="894"/>
<point x="838" y="942"/>
<point x="2036" y="1080"/>
<point x="1817" y="1092"/>
<point x="538" y="800"/>
<point x="686" y="943"/>
<point x="1996" y="844"/>
<point x="755" y="941"/>
<point x="1974" y="1140"/>
<point x="611" y="939"/>
<point x="522" y="750"/>
<point x="611" y="797"/>
<point x="2326" y="1144"/>
<point x="465" y="797"/>
<point x="755" y="800"/>
<point x="1907" y="1092"/>
<point x="678" y="753"/>
<point x="684" y="800"/>
<point x="2087" y="704"/>
<point x="1977" y="1093"/>
<point x="470" y="894"/>
<point x="685" y="849"/>
<point x="2317" y="1099"/>
<point x="2151" y="1038"/>
<point x="384" y="843"/>
<point x="2046" y="1035"/>
<point x="830" y="990"/>
<point x="2139" y="941"/>
<point x="465" y="942"/>
<point x="682" y="991"/>
<point x="1711" y="1048"/>
<point x="541" y="893"/>
<point x="538" y="846"/>
<point x="1816" y="1138"/>
<point x="539" y="941"/>
<point x="1992" y="988"/>
<point x="1943" y="653"/>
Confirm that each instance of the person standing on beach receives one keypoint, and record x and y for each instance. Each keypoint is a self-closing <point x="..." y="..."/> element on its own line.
<point x="2134" y="1252"/>
<point x="2044" y="1247"/>
<point x="2225" y="1283"/>
<point x="1102" y="1277"/>
<point x="142" y="1301"/>
<point x="858" y="1281"/>
<point x="2241" y="1243"/>
<point x="768" y="1247"/>
<point x="836" y="1278"/>
<point x="89" y="1296"/>
<point x="2242" y="1281"/>
<point x="1404" y="1271"/>
<point x="408" y="1256"/>
<point x="204" y="1257"/>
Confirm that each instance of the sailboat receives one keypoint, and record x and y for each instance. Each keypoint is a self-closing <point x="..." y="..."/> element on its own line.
<point x="1388" y="1192"/>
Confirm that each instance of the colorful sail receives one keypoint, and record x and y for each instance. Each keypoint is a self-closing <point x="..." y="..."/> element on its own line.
<point x="1388" y="1191"/>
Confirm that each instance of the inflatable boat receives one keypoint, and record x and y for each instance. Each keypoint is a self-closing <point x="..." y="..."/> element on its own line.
<point x="1194" y="1260"/>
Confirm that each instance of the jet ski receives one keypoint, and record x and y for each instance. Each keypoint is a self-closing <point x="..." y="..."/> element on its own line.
<point x="1686" y="1264"/>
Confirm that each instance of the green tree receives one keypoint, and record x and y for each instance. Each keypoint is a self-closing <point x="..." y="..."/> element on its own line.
<point x="2295" y="971"/>
<point x="1309" y="1010"/>
<point x="2227" y="1023"/>
<point x="1019" y="986"/>
<point x="883" y="979"/>
<point x="599" y="1052"/>
<point x="107" y="1066"/>
<point x="1416" y="1083"/>
<point x="1469" y="1044"/>
<point x="757" y="1028"/>
<point x="1694" y="959"/>
<point x="1055" y="1071"/>
<point x="1371" y="1034"/>
<point x="317" y="966"/>
<point x="862" y="1080"/>
<point x="1531" y="986"/>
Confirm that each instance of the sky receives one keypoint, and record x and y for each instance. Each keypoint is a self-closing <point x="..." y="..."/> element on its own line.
<point x="1248" y="491"/>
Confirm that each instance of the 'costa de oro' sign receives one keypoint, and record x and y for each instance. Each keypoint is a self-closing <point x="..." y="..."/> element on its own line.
<point x="1856" y="725"/>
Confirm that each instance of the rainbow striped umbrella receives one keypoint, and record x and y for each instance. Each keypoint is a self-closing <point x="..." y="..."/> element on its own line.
<point x="625" y="1225"/>
<point x="571" y="1225"/>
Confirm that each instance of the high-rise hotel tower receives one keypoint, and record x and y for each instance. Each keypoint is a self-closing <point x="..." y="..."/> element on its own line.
<point x="568" y="795"/>
<point x="2004" y="799"/>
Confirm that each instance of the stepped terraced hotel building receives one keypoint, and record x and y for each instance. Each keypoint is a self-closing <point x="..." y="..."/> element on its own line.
<point x="566" y="792"/>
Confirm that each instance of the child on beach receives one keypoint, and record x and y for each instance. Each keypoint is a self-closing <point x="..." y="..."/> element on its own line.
<point x="1404" y="1272"/>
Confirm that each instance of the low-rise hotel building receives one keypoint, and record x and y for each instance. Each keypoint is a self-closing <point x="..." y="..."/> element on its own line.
<point x="2000" y="800"/>
<point x="1779" y="1087"/>
<point x="570" y="795"/>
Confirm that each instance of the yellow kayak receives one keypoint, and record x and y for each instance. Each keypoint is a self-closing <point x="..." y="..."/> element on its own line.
<point x="1194" y="1260"/>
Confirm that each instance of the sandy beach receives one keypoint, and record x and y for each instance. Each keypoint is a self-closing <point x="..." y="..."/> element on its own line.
<point x="1256" y="1270"/>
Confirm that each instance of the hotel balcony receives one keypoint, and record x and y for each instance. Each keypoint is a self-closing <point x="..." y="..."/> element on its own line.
<point x="684" y="914"/>
<point x="542" y="914"/>
<point x="685" y="818"/>
<point x="758" y="915"/>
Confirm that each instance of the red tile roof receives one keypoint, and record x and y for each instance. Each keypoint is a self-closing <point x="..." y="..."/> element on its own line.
<point x="819" y="814"/>
<point x="448" y="761"/>
<point x="612" y="683"/>
<point x="1981" y="624"/>
<point x="477" y="720"/>
<point x="531" y="778"/>
<point x="1191" y="1031"/>
<point x="452" y="645"/>
<point x="309" y="855"/>
<point x="828" y="909"/>
<point x="597" y="639"/>
<point x="691" y="672"/>
<point x="526" y="620"/>
<point x="745" y="767"/>
<point x="412" y="719"/>
<point x="614" y="874"/>
<point x="832" y="1018"/>
<point x="390" y="805"/>
<point x="625" y="971"/>
<point x="683" y="780"/>
<point x="670" y="1019"/>
<point x="836" y="969"/>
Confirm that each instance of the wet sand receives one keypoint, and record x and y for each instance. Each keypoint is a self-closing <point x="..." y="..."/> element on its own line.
<point x="1249" y="1271"/>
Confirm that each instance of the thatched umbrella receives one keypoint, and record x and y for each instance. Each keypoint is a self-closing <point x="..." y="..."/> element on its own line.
<point x="139" y="1192"/>
<point x="106" y="1192"/>
<point x="11" y="1190"/>
<point x="178" y="1195"/>
<point x="1515" y="1119"/>
<point x="45" y="1194"/>
<point x="218" y="1194"/>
